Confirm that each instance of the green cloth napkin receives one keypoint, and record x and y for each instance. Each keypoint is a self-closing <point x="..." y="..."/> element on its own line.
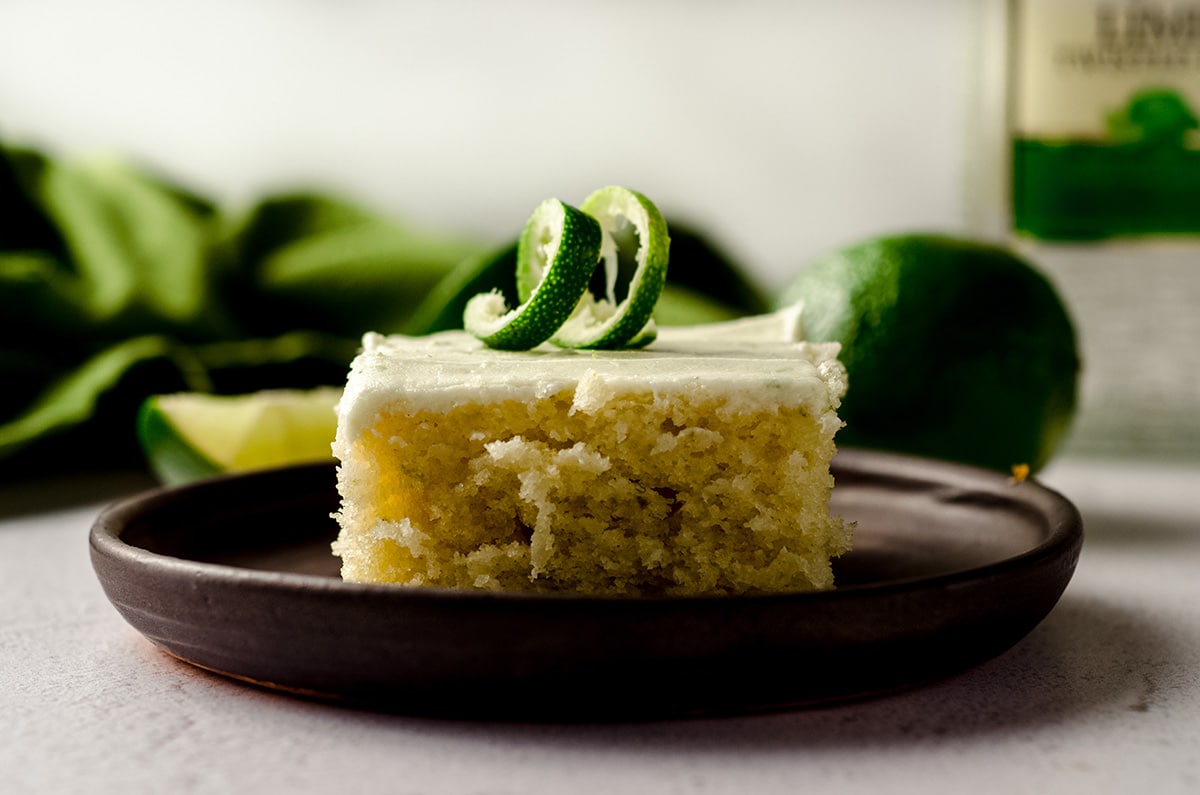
<point x="116" y="284"/>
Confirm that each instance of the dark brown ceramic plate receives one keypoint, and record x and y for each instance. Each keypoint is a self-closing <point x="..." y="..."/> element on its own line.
<point x="951" y="566"/>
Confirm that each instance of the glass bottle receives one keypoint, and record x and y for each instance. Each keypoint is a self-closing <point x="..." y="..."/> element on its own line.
<point x="1085" y="155"/>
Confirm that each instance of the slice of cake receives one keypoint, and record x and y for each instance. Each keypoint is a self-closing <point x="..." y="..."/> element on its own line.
<point x="699" y="465"/>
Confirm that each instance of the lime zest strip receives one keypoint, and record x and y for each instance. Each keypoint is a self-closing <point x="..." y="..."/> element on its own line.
<point x="556" y="255"/>
<point x="604" y="323"/>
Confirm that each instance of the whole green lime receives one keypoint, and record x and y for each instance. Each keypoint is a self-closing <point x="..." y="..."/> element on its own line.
<point x="954" y="349"/>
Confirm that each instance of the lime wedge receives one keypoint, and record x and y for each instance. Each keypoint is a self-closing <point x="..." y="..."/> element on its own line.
<point x="556" y="255"/>
<point x="188" y="436"/>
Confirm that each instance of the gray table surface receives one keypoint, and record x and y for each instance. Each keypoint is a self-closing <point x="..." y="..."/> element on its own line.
<point x="1103" y="696"/>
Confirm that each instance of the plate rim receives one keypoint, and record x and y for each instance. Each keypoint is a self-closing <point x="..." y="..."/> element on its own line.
<point x="105" y="539"/>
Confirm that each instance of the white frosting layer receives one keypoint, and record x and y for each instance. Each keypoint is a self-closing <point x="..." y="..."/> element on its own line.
<point x="746" y="363"/>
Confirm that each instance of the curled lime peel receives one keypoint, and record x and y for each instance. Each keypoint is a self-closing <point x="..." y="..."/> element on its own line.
<point x="556" y="254"/>
<point x="604" y="323"/>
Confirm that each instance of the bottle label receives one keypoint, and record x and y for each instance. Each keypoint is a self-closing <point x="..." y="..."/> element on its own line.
<point x="1105" y="118"/>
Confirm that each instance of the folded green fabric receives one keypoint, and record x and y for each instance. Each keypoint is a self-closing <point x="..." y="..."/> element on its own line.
<point x="116" y="284"/>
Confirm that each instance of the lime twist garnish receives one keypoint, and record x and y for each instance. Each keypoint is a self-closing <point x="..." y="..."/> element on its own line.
<point x="557" y="254"/>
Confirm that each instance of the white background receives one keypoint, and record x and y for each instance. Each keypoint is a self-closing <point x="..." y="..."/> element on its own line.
<point x="785" y="128"/>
